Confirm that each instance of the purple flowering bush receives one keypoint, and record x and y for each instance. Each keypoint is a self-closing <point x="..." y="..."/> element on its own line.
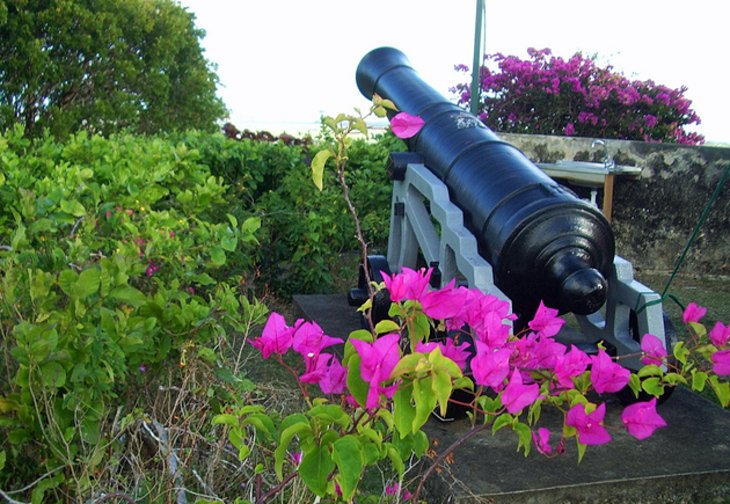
<point x="548" y="95"/>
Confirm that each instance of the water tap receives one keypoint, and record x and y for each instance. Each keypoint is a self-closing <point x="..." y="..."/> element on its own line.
<point x="608" y="163"/>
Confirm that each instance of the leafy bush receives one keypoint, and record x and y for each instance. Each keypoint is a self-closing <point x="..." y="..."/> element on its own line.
<point x="551" y="96"/>
<point x="304" y="231"/>
<point x="119" y="264"/>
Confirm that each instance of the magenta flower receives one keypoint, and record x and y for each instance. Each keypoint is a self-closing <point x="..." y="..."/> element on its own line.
<point x="408" y="284"/>
<point x="546" y="321"/>
<point x="693" y="313"/>
<point x="569" y="129"/>
<point x="276" y="338"/>
<point x="720" y="334"/>
<point x="589" y="426"/>
<point x="517" y="395"/>
<point x="309" y="340"/>
<point x="444" y="303"/>
<point x="334" y="378"/>
<point x="152" y="268"/>
<point x="653" y="349"/>
<point x="492" y="330"/>
<point x="721" y="363"/>
<point x="606" y="375"/>
<point x="572" y="364"/>
<point x="316" y="367"/>
<point x="378" y="360"/>
<point x="541" y="438"/>
<point x="490" y="366"/>
<point x="641" y="419"/>
<point x="405" y="125"/>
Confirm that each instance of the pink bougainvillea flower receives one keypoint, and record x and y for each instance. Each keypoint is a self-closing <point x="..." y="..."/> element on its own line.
<point x="548" y="353"/>
<point x="693" y="313"/>
<point x="378" y="360"/>
<point x="641" y="419"/>
<point x="492" y="330"/>
<point x="276" y="338"/>
<point x="408" y="284"/>
<point x="606" y="375"/>
<point x="334" y="378"/>
<point x="490" y="366"/>
<point x="653" y="349"/>
<point x="517" y="395"/>
<point x="405" y="125"/>
<point x="444" y="303"/>
<point x="720" y="334"/>
<point x="546" y="321"/>
<point x="541" y="438"/>
<point x="721" y="363"/>
<point x="316" y="366"/>
<point x="589" y="426"/>
<point x="572" y="364"/>
<point x="309" y="339"/>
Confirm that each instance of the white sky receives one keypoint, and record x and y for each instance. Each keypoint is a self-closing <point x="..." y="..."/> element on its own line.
<point x="286" y="62"/>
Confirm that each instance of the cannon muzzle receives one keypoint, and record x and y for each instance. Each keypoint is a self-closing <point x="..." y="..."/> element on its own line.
<point x="542" y="241"/>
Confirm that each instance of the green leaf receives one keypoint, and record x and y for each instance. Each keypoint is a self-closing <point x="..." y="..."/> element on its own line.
<point x="395" y="458"/>
<point x="3" y="458"/>
<point x="524" y="436"/>
<point x="225" y="419"/>
<point x="88" y="283"/>
<point x="292" y="426"/>
<point x="386" y="326"/>
<point x="721" y="389"/>
<point x="502" y="420"/>
<point x="128" y="295"/>
<point x="441" y="387"/>
<point x="404" y="412"/>
<point x="680" y="352"/>
<point x="357" y="386"/>
<point x="316" y="466"/>
<point x="72" y="207"/>
<point x="229" y="243"/>
<point x="217" y="256"/>
<point x="699" y="378"/>
<point x="653" y="386"/>
<point x="318" y="166"/>
<point x="347" y="454"/>
<point x="650" y="370"/>
<point x="53" y="374"/>
<point x="408" y="364"/>
<point x="425" y="401"/>
<point x="581" y="449"/>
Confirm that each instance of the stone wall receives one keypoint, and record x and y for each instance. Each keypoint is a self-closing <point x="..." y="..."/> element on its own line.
<point x="654" y="215"/>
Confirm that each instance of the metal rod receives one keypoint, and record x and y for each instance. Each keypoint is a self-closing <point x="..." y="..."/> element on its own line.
<point x="478" y="56"/>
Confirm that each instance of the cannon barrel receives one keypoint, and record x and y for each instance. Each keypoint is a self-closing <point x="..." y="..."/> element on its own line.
<point x="542" y="241"/>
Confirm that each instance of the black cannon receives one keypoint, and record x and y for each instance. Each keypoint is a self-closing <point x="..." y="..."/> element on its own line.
<point x="542" y="241"/>
<point x="478" y="210"/>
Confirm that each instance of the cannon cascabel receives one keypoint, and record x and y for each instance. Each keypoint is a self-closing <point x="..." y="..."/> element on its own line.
<point x="542" y="241"/>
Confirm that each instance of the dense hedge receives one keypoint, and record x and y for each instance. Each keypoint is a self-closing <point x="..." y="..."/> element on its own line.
<point x="127" y="261"/>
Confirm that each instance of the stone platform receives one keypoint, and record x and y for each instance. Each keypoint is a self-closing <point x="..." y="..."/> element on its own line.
<point x="686" y="462"/>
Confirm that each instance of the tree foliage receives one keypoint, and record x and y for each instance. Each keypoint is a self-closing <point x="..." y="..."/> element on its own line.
<point x="104" y="66"/>
<point x="548" y="95"/>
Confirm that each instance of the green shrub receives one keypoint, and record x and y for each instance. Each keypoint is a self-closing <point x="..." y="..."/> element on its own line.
<point x="119" y="263"/>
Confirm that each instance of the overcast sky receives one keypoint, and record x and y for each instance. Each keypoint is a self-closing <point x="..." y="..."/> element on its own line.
<point x="289" y="61"/>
